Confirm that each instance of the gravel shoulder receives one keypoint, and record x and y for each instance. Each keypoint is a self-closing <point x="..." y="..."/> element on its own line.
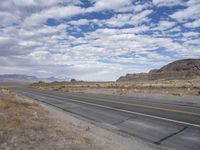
<point x="27" y="124"/>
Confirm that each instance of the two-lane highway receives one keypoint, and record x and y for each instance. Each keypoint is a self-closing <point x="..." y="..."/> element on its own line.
<point x="169" y="124"/>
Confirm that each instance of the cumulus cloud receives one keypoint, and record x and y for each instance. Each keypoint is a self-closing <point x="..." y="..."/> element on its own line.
<point x="8" y="19"/>
<point x="192" y="11"/>
<point x="191" y="34"/>
<point x="134" y="8"/>
<point x="193" y="24"/>
<point x="125" y="19"/>
<point x="58" y="12"/>
<point x="108" y="5"/>
<point x="35" y="3"/>
<point x="165" y="25"/>
<point x="100" y="41"/>
<point x="161" y="3"/>
<point x="61" y="12"/>
<point x="118" y="20"/>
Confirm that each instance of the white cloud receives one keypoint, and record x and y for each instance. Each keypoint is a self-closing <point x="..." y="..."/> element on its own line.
<point x="161" y="3"/>
<point x="54" y="12"/>
<point x="24" y="3"/>
<point x="103" y="52"/>
<point x="193" y="2"/>
<point x="191" y="34"/>
<point x="61" y="12"/>
<point x="97" y="45"/>
<point x="118" y="20"/>
<point x="80" y="22"/>
<point x="4" y="40"/>
<point x="108" y="5"/>
<point x="8" y="19"/>
<point x="36" y="3"/>
<point x="135" y="8"/>
<point x="129" y="19"/>
<point x="165" y="25"/>
<point x="193" y="24"/>
<point x="191" y="12"/>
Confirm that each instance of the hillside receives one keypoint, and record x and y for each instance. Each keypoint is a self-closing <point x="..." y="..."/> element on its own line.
<point x="177" y="70"/>
<point x="20" y="78"/>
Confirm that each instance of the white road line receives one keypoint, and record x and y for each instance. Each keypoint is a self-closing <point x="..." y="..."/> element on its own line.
<point x="131" y="112"/>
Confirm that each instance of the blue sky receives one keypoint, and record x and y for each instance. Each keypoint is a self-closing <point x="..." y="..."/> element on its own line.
<point x="96" y="39"/>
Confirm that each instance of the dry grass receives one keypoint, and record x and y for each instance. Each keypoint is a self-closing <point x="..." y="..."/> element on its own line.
<point x="173" y="87"/>
<point x="27" y="125"/>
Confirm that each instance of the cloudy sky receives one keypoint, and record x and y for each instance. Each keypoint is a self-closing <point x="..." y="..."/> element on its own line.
<point x="96" y="39"/>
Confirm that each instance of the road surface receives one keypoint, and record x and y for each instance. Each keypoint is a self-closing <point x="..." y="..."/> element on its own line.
<point x="174" y="125"/>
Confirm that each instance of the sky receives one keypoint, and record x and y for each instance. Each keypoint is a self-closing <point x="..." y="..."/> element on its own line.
<point x="96" y="39"/>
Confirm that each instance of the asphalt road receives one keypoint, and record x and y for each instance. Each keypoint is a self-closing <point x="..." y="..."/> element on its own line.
<point x="175" y="125"/>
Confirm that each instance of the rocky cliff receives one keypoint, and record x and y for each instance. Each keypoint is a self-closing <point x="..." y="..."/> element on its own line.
<point x="180" y="69"/>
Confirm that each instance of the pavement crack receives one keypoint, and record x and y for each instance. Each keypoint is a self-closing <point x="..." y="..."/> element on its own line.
<point x="169" y="136"/>
<point x="121" y="121"/>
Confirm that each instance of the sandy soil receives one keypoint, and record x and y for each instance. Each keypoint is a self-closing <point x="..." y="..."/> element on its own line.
<point x="169" y="87"/>
<point x="178" y="91"/>
<point x="26" y="124"/>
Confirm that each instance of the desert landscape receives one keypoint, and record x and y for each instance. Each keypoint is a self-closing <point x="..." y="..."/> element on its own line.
<point x="177" y="78"/>
<point x="28" y="124"/>
<point x="99" y="74"/>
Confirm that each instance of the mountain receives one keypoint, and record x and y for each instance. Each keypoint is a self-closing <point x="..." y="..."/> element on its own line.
<point x="20" y="78"/>
<point x="180" y="69"/>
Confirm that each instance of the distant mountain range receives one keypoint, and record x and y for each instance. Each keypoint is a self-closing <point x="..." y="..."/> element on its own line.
<point x="177" y="70"/>
<point x="20" y="78"/>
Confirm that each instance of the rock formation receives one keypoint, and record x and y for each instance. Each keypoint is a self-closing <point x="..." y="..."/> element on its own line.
<point x="177" y="70"/>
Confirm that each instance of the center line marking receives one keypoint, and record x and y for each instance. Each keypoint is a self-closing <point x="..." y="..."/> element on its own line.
<point x="127" y="111"/>
<point x="139" y="105"/>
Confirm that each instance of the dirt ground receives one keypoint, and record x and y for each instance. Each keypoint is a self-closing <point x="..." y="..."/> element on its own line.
<point x="170" y="87"/>
<point x="26" y="124"/>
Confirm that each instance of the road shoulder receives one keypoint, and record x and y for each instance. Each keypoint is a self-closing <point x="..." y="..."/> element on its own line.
<point x="29" y="124"/>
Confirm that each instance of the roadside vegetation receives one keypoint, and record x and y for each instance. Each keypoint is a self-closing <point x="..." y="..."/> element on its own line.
<point x="173" y="87"/>
<point x="28" y="125"/>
